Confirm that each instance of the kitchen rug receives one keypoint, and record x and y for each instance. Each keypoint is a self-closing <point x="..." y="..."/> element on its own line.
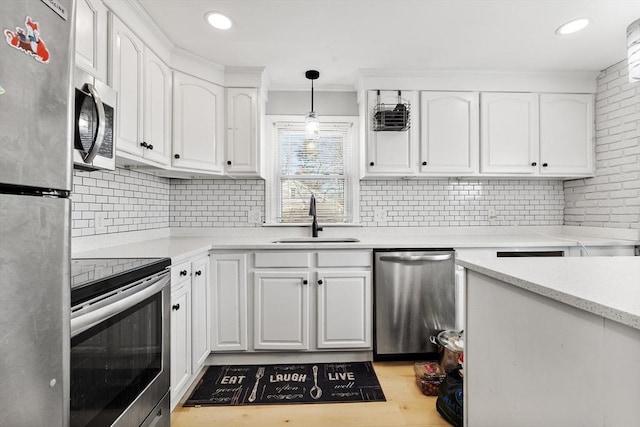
<point x="287" y="384"/>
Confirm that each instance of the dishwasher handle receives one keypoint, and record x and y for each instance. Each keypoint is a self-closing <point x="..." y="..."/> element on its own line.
<point x="417" y="258"/>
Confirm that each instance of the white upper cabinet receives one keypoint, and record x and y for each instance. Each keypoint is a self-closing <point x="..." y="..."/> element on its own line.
<point x="566" y="134"/>
<point x="156" y="140"/>
<point x="242" y="144"/>
<point x="91" y="38"/>
<point x="198" y="128"/>
<point x="509" y="140"/>
<point x="391" y="152"/>
<point x="449" y="129"/>
<point x="126" y="78"/>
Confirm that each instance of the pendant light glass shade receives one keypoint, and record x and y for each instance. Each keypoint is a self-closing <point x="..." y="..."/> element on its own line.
<point x="633" y="46"/>
<point x="311" y="122"/>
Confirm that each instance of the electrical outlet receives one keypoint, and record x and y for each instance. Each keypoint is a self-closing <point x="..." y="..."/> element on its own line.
<point x="379" y="214"/>
<point x="255" y="216"/>
<point x="100" y="219"/>
<point x="493" y="215"/>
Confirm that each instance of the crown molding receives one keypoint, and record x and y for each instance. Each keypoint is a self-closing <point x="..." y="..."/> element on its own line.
<point x="147" y="20"/>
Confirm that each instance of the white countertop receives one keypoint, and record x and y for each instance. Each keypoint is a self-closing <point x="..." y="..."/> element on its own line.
<point x="606" y="286"/>
<point x="182" y="243"/>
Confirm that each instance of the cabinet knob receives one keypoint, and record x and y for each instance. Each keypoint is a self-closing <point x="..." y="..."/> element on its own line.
<point x="144" y="144"/>
<point x="198" y="273"/>
<point x="424" y="163"/>
<point x="305" y="282"/>
<point x="534" y="164"/>
<point x="544" y="165"/>
<point x="229" y="162"/>
<point x="183" y="273"/>
<point x="150" y="147"/>
<point x="175" y="307"/>
<point x="177" y="156"/>
<point x="319" y="282"/>
<point x="371" y="164"/>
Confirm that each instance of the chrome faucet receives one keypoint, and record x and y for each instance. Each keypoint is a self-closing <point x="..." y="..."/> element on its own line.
<point x="312" y="212"/>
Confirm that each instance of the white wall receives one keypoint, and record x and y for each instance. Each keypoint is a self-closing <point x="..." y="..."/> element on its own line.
<point x="612" y="197"/>
<point x="324" y="103"/>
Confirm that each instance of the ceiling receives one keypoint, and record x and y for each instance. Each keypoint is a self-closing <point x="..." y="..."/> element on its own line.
<point x="339" y="37"/>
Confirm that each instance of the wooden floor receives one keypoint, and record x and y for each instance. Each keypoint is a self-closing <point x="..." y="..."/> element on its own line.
<point x="405" y="406"/>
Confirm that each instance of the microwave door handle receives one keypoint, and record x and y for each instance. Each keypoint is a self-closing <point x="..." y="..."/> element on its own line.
<point x="416" y="258"/>
<point x="99" y="139"/>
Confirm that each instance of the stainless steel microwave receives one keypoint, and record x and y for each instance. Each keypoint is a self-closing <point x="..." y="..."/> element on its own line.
<point x="94" y="145"/>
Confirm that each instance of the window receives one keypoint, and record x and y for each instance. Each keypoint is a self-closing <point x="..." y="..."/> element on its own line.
<point x="303" y="166"/>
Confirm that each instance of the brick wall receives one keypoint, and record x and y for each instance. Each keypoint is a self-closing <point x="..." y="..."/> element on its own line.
<point x="215" y="202"/>
<point x="450" y="202"/>
<point x="612" y="197"/>
<point x="129" y="200"/>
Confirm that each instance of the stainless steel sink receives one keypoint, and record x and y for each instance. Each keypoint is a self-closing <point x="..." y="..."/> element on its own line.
<point x="316" y="240"/>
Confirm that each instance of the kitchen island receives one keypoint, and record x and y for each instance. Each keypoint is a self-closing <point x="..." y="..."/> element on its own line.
<point x="552" y="341"/>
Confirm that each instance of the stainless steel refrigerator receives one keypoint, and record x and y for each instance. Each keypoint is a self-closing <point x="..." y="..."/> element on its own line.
<point x="36" y="65"/>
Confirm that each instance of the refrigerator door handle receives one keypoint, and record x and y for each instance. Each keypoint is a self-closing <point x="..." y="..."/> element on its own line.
<point x="416" y="258"/>
<point x="99" y="139"/>
<point x="94" y="315"/>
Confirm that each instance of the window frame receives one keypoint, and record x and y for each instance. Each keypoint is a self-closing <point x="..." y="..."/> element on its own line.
<point x="271" y="167"/>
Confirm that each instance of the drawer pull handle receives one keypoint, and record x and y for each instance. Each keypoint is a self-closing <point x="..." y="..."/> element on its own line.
<point x="183" y="273"/>
<point x="305" y="282"/>
<point x="198" y="273"/>
<point x="175" y="307"/>
<point x="319" y="282"/>
<point x="534" y="164"/>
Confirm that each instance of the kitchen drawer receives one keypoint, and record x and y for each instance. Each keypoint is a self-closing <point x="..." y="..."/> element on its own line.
<point x="180" y="273"/>
<point x="344" y="259"/>
<point x="282" y="259"/>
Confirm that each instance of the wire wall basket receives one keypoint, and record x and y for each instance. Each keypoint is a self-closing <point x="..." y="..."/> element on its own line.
<point x="391" y="117"/>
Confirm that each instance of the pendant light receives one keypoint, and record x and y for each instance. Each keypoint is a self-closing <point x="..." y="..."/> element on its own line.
<point x="311" y="123"/>
<point x="633" y="46"/>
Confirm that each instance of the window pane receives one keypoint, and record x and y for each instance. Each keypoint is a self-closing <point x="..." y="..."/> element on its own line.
<point x="303" y="156"/>
<point x="320" y="166"/>
<point x="329" y="194"/>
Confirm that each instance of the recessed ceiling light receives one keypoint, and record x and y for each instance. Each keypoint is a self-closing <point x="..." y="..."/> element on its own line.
<point x="572" y="26"/>
<point x="218" y="20"/>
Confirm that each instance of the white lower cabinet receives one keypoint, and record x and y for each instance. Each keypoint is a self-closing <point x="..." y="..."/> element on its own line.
<point x="199" y="312"/>
<point x="344" y="309"/>
<point x="229" y="302"/>
<point x="180" y="341"/>
<point x="189" y="323"/>
<point x="281" y="310"/>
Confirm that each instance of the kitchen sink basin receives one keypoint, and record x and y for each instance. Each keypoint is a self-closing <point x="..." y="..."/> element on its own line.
<point x="316" y="240"/>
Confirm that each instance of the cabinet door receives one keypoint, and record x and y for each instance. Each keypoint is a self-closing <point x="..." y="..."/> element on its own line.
<point x="229" y="302"/>
<point x="391" y="152"/>
<point x="198" y="129"/>
<point x="157" y="109"/>
<point x="180" y="341"/>
<point x="126" y="79"/>
<point x="509" y="140"/>
<point x="281" y="310"/>
<point x="199" y="313"/>
<point x="449" y="124"/>
<point x="344" y="309"/>
<point x="91" y="38"/>
<point x="566" y="134"/>
<point x="242" y="131"/>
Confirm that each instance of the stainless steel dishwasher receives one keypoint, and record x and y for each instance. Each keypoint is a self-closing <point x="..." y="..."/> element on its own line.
<point x="414" y="299"/>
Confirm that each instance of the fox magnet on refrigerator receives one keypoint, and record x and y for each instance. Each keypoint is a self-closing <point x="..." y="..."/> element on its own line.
<point x="29" y="41"/>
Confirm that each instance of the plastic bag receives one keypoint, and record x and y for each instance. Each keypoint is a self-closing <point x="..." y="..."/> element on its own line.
<point x="450" y="400"/>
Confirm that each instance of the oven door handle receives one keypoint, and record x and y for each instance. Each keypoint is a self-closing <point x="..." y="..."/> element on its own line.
<point x="117" y="304"/>
<point x="99" y="139"/>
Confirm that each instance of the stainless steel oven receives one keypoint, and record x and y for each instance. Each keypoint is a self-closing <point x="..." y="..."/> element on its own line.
<point x="119" y="359"/>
